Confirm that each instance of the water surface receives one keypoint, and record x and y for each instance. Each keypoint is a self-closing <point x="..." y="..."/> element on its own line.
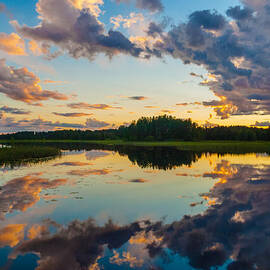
<point x="136" y="208"/>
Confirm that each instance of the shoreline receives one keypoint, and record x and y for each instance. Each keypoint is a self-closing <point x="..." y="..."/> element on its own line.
<point x="207" y="146"/>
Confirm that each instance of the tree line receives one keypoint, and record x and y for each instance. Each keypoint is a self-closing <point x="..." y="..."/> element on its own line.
<point x="157" y="128"/>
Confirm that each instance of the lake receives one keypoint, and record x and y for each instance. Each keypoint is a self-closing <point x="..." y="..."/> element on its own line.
<point x="136" y="208"/>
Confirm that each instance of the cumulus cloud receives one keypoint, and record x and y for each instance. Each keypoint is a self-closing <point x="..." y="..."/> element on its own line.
<point x="239" y="13"/>
<point x="11" y="110"/>
<point x="92" y="5"/>
<point x="151" y="5"/>
<point x="232" y="49"/>
<point x="73" y="27"/>
<point x="84" y="105"/>
<point x="71" y="114"/>
<point x="12" y="44"/>
<point x="23" y="85"/>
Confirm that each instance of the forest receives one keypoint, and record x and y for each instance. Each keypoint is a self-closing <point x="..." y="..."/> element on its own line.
<point x="157" y="128"/>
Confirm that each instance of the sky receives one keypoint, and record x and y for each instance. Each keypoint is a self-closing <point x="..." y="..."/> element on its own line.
<point x="94" y="64"/>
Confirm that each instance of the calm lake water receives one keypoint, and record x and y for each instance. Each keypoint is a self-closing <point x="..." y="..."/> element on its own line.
<point x="136" y="208"/>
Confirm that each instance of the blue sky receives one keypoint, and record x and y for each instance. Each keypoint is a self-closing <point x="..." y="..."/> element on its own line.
<point x="161" y="82"/>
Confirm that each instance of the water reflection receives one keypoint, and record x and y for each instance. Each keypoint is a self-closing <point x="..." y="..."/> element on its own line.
<point x="228" y="230"/>
<point x="236" y="227"/>
<point x="163" y="158"/>
<point x="23" y="192"/>
<point x="159" y="157"/>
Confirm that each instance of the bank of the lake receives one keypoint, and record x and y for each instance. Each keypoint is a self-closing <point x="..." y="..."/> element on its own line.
<point x="201" y="146"/>
<point x="18" y="154"/>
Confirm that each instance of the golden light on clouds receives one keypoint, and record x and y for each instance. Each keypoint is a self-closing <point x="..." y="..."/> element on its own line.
<point x="11" y="235"/>
<point x="126" y="258"/>
<point x="12" y="44"/>
<point x="21" y="193"/>
<point x="35" y="231"/>
<point x="35" y="48"/>
<point x="92" y="5"/>
<point x="127" y="22"/>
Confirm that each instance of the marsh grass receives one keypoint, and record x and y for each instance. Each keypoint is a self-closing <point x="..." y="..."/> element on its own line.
<point x="22" y="155"/>
<point x="236" y="147"/>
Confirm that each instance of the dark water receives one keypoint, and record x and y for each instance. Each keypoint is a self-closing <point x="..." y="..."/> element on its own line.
<point x="136" y="208"/>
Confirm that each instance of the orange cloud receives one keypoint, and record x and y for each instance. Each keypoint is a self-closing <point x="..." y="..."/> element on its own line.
<point x="92" y="5"/>
<point x="23" y="192"/>
<point x="222" y="171"/>
<point x="11" y="235"/>
<point x="223" y="107"/>
<point x="134" y="18"/>
<point x="126" y="258"/>
<point x="167" y="111"/>
<point x="90" y="172"/>
<point x="12" y="44"/>
<point x="54" y="82"/>
<point x="72" y="114"/>
<point x="84" y="105"/>
<point x="144" y="238"/>
<point x="36" y="230"/>
<point x="75" y="163"/>
<point x="23" y="85"/>
<point x="35" y="48"/>
<point x="151" y="107"/>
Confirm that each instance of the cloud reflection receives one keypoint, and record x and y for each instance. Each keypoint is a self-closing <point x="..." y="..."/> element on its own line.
<point x="23" y="192"/>
<point x="234" y="230"/>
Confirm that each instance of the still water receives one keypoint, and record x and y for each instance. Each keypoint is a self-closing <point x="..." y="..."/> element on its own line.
<point x="136" y="208"/>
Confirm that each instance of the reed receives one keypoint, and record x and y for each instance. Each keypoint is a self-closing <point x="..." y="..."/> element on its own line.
<point x="21" y="155"/>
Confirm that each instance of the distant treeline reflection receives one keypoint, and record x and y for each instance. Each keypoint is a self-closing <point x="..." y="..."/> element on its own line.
<point x="163" y="158"/>
<point x="159" y="157"/>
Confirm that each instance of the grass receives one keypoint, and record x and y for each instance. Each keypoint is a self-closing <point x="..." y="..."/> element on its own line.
<point x="20" y="155"/>
<point x="201" y="146"/>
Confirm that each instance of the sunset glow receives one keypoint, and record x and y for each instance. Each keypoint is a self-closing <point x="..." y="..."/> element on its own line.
<point x="94" y="64"/>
